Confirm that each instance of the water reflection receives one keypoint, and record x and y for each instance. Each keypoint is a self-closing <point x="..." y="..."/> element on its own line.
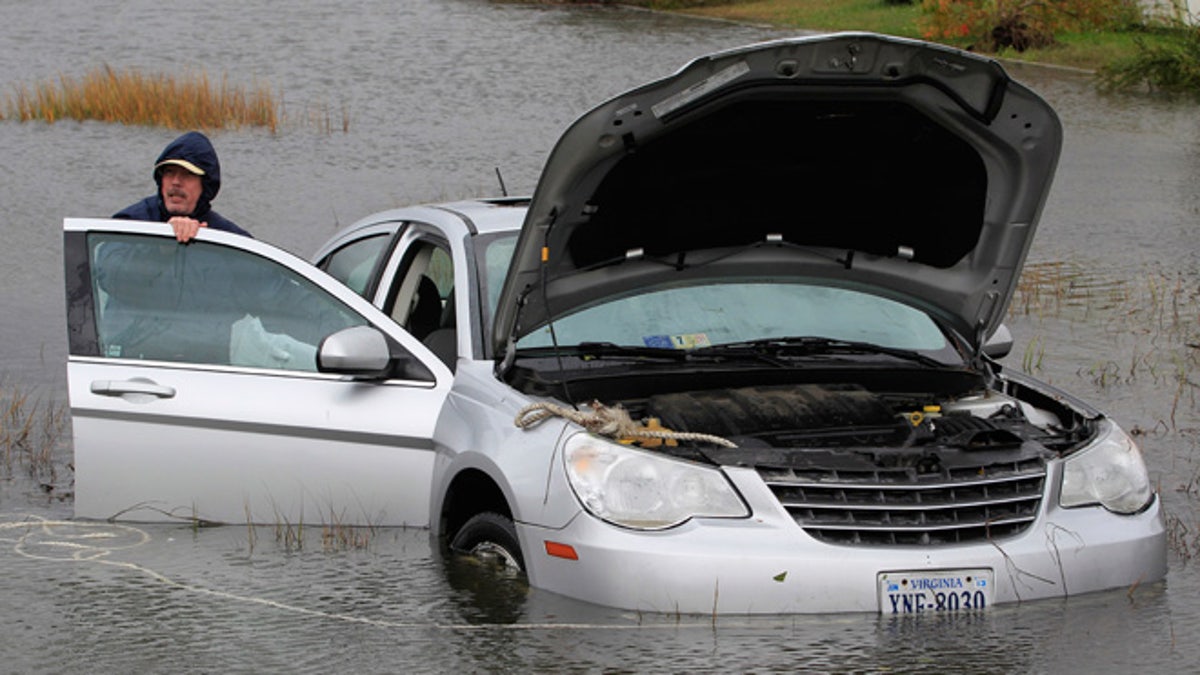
<point x="139" y="598"/>
<point x="487" y="592"/>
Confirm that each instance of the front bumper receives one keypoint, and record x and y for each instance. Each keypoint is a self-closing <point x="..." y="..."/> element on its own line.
<point x="766" y="564"/>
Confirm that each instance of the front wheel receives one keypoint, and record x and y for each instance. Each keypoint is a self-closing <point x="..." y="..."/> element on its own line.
<point x="491" y="538"/>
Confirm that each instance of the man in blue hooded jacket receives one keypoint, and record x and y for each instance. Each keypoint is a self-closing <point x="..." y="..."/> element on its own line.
<point x="188" y="176"/>
<point x="205" y="302"/>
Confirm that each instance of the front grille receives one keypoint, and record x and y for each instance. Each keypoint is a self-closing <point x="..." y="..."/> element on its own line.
<point x="911" y="506"/>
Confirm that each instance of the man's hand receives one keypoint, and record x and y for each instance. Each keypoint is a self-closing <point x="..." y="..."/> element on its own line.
<point x="185" y="228"/>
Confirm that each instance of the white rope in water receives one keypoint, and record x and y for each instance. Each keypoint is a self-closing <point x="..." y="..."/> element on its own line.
<point x="611" y="421"/>
<point x="90" y="542"/>
<point x="88" y="547"/>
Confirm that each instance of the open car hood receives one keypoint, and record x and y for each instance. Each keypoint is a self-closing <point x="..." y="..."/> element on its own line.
<point x="892" y="166"/>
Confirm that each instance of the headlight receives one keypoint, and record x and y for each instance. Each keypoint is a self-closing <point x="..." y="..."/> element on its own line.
<point x="643" y="490"/>
<point x="1110" y="473"/>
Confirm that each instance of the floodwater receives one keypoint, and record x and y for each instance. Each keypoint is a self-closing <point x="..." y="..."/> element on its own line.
<point x="400" y="101"/>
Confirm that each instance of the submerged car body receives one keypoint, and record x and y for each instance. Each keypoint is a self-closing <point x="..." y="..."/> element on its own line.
<point x="732" y="356"/>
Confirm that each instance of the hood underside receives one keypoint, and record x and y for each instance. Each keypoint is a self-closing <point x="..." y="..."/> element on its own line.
<point x="900" y="168"/>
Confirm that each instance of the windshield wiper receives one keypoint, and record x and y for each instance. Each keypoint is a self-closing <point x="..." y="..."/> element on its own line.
<point x="699" y="355"/>
<point x="773" y="351"/>
<point x="588" y="351"/>
<point x="605" y="350"/>
<point x="791" y="347"/>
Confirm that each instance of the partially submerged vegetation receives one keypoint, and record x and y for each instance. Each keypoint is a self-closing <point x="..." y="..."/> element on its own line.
<point x="1154" y="319"/>
<point x="336" y="536"/>
<point x="133" y="97"/>
<point x="31" y="430"/>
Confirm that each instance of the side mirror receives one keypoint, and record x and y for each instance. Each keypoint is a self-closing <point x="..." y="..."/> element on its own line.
<point x="360" y="352"/>
<point x="999" y="343"/>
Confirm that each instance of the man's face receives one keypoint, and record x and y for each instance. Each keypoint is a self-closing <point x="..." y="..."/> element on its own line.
<point x="180" y="190"/>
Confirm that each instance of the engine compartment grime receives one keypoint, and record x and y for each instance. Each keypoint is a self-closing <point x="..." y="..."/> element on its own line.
<point x="843" y="424"/>
<point x="801" y="414"/>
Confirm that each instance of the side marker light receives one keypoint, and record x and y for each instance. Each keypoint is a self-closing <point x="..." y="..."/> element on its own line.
<point x="557" y="550"/>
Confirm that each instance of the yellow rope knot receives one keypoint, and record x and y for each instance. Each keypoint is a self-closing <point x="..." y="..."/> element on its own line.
<point x="612" y="422"/>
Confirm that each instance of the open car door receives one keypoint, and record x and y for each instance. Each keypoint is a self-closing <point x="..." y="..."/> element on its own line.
<point x="204" y="384"/>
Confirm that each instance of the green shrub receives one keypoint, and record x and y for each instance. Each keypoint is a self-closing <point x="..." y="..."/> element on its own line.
<point x="1170" y="63"/>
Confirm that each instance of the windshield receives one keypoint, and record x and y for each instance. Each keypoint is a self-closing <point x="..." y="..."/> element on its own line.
<point x="493" y="255"/>
<point x="714" y="314"/>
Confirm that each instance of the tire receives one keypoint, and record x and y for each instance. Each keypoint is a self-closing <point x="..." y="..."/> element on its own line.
<point x="492" y="538"/>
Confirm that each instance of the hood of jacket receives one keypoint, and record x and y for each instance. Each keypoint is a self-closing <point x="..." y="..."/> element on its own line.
<point x="193" y="147"/>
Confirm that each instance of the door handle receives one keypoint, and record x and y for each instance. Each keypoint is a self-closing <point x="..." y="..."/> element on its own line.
<point x="134" y="386"/>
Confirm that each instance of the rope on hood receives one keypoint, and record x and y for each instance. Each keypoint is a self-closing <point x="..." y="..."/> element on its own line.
<point x="610" y="421"/>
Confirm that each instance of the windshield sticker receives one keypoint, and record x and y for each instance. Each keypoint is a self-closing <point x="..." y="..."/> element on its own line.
<point x="701" y="88"/>
<point x="684" y="341"/>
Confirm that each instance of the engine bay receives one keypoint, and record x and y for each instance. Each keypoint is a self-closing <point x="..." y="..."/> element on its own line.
<point x="791" y="417"/>
<point x="810" y="415"/>
<point x="848" y="427"/>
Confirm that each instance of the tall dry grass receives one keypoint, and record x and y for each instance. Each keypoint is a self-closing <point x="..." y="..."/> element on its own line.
<point x="1156" y="316"/>
<point x="30" y="432"/>
<point x="132" y="97"/>
<point x="1164" y="305"/>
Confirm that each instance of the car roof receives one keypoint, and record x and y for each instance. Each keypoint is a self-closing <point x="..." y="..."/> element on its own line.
<point x="455" y="218"/>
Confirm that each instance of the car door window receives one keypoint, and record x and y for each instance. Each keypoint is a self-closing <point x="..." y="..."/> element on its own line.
<point x="422" y="298"/>
<point x="206" y="303"/>
<point x="352" y="264"/>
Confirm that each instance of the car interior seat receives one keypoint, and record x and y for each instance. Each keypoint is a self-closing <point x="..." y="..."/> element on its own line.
<point x="443" y="342"/>
<point x="426" y="314"/>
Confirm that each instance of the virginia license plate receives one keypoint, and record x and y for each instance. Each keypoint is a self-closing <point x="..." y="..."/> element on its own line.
<point x="934" y="591"/>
